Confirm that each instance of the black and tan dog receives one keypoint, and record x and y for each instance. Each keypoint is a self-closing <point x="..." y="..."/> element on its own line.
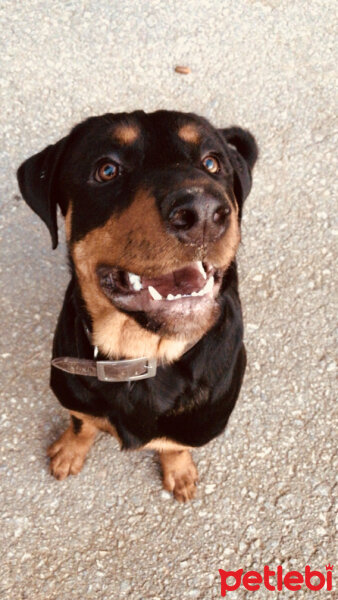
<point x="152" y="206"/>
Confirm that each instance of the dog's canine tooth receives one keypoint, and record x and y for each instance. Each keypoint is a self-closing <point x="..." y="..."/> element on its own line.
<point x="201" y="268"/>
<point x="154" y="293"/>
<point x="135" y="281"/>
<point x="208" y="286"/>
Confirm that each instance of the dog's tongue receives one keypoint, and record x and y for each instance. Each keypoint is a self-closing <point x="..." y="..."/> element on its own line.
<point x="184" y="281"/>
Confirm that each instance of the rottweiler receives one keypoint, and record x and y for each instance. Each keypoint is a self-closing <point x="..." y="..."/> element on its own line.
<point x="149" y="342"/>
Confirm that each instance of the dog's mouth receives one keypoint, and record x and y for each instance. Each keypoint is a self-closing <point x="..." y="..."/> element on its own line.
<point x="181" y="290"/>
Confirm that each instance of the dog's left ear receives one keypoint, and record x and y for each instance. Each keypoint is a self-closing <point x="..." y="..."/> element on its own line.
<point x="37" y="178"/>
<point x="243" y="153"/>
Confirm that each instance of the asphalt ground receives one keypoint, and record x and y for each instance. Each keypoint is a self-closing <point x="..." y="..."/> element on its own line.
<point x="266" y="494"/>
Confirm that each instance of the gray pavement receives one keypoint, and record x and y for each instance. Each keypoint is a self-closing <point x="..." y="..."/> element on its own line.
<point x="266" y="492"/>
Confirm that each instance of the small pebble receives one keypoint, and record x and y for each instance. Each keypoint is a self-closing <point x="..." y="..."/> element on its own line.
<point x="182" y="70"/>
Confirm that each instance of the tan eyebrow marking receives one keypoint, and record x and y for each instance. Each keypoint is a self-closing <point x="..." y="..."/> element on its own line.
<point x="189" y="133"/>
<point x="126" y="134"/>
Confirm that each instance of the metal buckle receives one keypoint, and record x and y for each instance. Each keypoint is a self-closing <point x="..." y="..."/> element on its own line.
<point x="126" y="370"/>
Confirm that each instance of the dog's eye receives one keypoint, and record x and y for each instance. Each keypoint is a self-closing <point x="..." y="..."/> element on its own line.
<point x="107" y="171"/>
<point x="211" y="164"/>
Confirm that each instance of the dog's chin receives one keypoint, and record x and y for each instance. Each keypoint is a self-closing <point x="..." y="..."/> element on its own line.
<point x="180" y="324"/>
<point x="181" y="304"/>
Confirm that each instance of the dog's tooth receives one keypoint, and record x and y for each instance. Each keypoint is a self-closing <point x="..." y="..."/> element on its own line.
<point x="201" y="268"/>
<point x="170" y="297"/>
<point x="154" y="293"/>
<point x="194" y="293"/>
<point x="208" y="286"/>
<point x="135" y="281"/>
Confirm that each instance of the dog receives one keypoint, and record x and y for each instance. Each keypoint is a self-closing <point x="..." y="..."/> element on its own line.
<point x="149" y="342"/>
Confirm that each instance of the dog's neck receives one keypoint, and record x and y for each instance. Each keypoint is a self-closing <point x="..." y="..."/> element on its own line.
<point x="117" y="335"/>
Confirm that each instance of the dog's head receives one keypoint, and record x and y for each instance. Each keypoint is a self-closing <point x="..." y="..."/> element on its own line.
<point x="152" y="206"/>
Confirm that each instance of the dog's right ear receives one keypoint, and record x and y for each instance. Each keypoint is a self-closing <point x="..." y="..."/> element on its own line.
<point x="38" y="184"/>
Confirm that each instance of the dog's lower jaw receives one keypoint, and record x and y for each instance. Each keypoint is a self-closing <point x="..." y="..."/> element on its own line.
<point x="118" y="335"/>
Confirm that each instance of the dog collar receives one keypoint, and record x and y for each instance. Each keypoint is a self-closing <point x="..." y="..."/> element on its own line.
<point x="132" y="369"/>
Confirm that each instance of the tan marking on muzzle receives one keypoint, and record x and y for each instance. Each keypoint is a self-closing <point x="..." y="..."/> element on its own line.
<point x="135" y="243"/>
<point x="135" y="240"/>
<point x="224" y="251"/>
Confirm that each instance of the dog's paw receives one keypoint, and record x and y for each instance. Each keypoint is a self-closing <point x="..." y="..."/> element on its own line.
<point x="179" y="475"/>
<point x="182" y="485"/>
<point x="67" y="455"/>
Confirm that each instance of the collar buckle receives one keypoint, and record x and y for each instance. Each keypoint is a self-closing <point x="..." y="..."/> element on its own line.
<point x="132" y="369"/>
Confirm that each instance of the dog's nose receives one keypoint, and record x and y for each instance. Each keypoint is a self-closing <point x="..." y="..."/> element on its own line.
<point x="195" y="217"/>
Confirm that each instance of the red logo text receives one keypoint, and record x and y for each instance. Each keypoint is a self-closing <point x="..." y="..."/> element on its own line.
<point x="276" y="580"/>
